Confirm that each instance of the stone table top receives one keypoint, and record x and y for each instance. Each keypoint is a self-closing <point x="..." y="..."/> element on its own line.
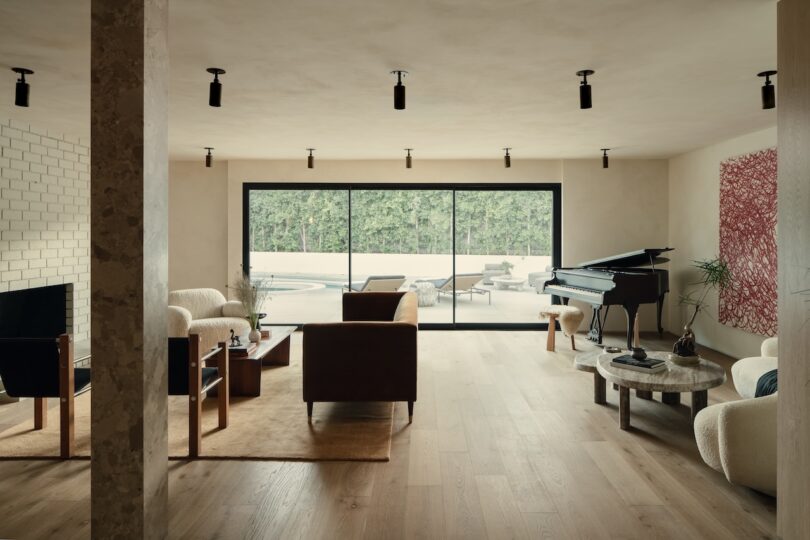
<point x="586" y="361"/>
<point x="675" y="378"/>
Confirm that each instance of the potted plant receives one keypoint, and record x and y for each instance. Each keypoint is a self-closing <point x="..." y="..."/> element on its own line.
<point x="507" y="267"/>
<point x="715" y="275"/>
<point x="252" y="293"/>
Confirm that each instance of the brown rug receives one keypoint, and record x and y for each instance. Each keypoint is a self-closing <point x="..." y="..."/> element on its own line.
<point x="273" y="426"/>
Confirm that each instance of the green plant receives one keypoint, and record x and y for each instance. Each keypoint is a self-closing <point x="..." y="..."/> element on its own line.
<point x="714" y="275"/>
<point x="253" y="293"/>
<point x="507" y="267"/>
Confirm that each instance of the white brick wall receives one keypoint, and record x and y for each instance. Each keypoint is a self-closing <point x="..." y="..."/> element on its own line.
<point x="45" y="214"/>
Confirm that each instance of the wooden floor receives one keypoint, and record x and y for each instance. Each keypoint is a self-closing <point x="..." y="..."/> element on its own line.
<point x="506" y="443"/>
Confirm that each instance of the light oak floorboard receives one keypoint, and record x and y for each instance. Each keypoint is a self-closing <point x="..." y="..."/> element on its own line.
<point x="506" y="442"/>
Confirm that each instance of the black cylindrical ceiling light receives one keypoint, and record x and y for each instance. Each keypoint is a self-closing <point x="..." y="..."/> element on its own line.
<point x="768" y="89"/>
<point x="209" y="159"/>
<point x="22" y="89"/>
<point x="310" y="159"/>
<point x="507" y="159"/>
<point x="605" y="157"/>
<point x="399" y="90"/>
<point x="215" y="90"/>
<point x="408" y="159"/>
<point x="585" y="101"/>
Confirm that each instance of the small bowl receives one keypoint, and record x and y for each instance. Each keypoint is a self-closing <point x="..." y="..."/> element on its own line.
<point x="684" y="360"/>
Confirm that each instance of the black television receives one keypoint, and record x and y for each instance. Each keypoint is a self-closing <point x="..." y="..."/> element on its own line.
<point x="38" y="312"/>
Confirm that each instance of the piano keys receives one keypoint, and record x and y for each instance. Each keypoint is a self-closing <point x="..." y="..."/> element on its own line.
<point x="617" y="280"/>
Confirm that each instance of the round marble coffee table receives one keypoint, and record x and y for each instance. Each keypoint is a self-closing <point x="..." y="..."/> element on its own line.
<point x="670" y="382"/>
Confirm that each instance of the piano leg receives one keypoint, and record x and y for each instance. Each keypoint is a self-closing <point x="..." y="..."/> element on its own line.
<point x="660" y="306"/>
<point x="595" y="332"/>
<point x="631" y="310"/>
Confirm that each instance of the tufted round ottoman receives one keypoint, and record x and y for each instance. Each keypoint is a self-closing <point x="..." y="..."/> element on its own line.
<point x="569" y="316"/>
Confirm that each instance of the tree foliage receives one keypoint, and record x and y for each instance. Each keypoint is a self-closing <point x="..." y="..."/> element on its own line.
<point x="401" y="221"/>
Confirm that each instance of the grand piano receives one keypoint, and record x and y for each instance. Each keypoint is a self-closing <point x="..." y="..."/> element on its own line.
<point x="616" y="280"/>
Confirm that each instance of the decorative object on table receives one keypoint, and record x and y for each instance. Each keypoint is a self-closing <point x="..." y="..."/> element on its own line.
<point x="638" y="353"/>
<point x="610" y="349"/>
<point x="252" y="293"/>
<point x="714" y="275"/>
<point x="235" y="342"/>
<point x="569" y="316"/>
<point x="507" y="267"/>
<point x="748" y="241"/>
<point x="644" y="365"/>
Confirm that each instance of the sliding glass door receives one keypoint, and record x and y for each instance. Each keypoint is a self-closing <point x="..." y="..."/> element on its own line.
<point x="476" y="255"/>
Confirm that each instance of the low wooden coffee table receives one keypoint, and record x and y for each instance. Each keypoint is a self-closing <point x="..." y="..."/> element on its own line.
<point x="670" y="382"/>
<point x="246" y="373"/>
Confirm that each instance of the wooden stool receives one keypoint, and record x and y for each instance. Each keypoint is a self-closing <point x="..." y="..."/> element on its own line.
<point x="569" y="316"/>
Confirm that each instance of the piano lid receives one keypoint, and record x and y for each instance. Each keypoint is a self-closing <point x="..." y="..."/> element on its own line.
<point x="642" y="257"/>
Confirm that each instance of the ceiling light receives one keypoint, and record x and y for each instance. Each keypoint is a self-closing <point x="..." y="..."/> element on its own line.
<point x="408" y="160"/>
<point x="310" y="159"/>
<point x="585" y="101"/>
<point x="215" y="90"/>
<point x="22" y="89"/>
<point x="507" y="159"/>
<point x="209" y="159"/>
<point x="604" y="157"/>
<point x="768" y="90"/>
<point x="399" y="90"/>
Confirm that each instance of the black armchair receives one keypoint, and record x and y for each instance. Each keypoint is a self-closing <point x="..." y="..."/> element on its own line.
<point x="188" y="377"/>
<point x="42" y="368"/>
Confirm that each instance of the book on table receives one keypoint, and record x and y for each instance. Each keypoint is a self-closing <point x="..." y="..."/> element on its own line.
<point x="242" y="351"/>
<point x="647" y="365"/>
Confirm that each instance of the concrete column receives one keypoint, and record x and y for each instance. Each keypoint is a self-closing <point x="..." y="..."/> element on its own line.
<point x="129" y="269"/>
<point x="793" y="101"/>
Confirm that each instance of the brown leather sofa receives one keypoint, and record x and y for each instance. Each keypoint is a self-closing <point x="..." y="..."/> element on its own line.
<point x="370" y="356"/>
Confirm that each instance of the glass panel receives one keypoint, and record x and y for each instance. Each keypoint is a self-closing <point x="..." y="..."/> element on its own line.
<point x="299" y="240"/>
<point x="402" y="240"/>
<point x="504" y="246"/>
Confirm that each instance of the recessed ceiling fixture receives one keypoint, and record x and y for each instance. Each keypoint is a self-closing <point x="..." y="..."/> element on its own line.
<point x="585" y="101"/>
<point x="209" y="159"/>
<point x="605" y="157"/>
<point x="22" y="90"/>
<point x="215" y="90"/>
<point x="408" y="160"/>
<point x="310" y="159"/>
<point x="399" y="90"/>
<point x="507" y="159"/>
<point x="768" y="89"/>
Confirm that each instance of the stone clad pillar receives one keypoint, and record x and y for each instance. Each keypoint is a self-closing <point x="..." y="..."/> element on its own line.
<point x="793" y="203"/>
<point x="129" y="267"/>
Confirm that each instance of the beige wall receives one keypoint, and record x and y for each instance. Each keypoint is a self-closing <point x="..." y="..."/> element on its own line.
<point x="694" y="206"/>
<point x="596" y="203"/>
<point x="198" y="225"/>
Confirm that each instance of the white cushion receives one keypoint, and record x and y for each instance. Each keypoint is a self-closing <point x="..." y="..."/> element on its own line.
<point x="706" y="436"/>
<point x="201" y="303"/>
<point x="746" y="372"/>
<point x="216" y="329"/>
<point x="770" y="347"/>
<point x="234" y="308"/>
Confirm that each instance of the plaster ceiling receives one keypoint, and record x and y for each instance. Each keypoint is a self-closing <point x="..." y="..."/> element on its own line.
<point x="671" y="75"/>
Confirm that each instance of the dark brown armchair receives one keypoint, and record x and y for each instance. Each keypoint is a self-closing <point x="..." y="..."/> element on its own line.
<point x="370" y="356"/>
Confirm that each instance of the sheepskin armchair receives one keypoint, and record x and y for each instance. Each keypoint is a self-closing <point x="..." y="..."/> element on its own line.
<point x="738" y="438"/>
<point x="207" y="313"/>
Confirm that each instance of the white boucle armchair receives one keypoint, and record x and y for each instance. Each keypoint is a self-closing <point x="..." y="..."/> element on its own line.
<point x="738" y="438"/>
<point x="205" y="312"/>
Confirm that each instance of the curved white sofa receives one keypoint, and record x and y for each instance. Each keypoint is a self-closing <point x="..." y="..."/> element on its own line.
<point x="738" y="438"/>
<point x="205" y="312"/>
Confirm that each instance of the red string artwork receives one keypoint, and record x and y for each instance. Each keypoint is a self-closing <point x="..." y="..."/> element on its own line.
<point x="748" y="241"/>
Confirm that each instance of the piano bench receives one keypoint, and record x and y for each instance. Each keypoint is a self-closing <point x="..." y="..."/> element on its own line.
<point x="570" y="318"/>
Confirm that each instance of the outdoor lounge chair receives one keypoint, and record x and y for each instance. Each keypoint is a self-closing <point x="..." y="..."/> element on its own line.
<point x="465" y="284"/>
<point x="376" y="284"/>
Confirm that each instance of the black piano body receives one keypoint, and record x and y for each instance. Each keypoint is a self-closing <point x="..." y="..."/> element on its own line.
<point x="617" y="280"/>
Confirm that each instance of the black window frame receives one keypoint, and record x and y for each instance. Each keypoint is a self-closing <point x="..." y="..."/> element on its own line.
<point x="556" y="229"/>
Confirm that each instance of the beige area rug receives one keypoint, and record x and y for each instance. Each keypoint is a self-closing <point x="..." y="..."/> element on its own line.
<point x="273" y="426"/>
